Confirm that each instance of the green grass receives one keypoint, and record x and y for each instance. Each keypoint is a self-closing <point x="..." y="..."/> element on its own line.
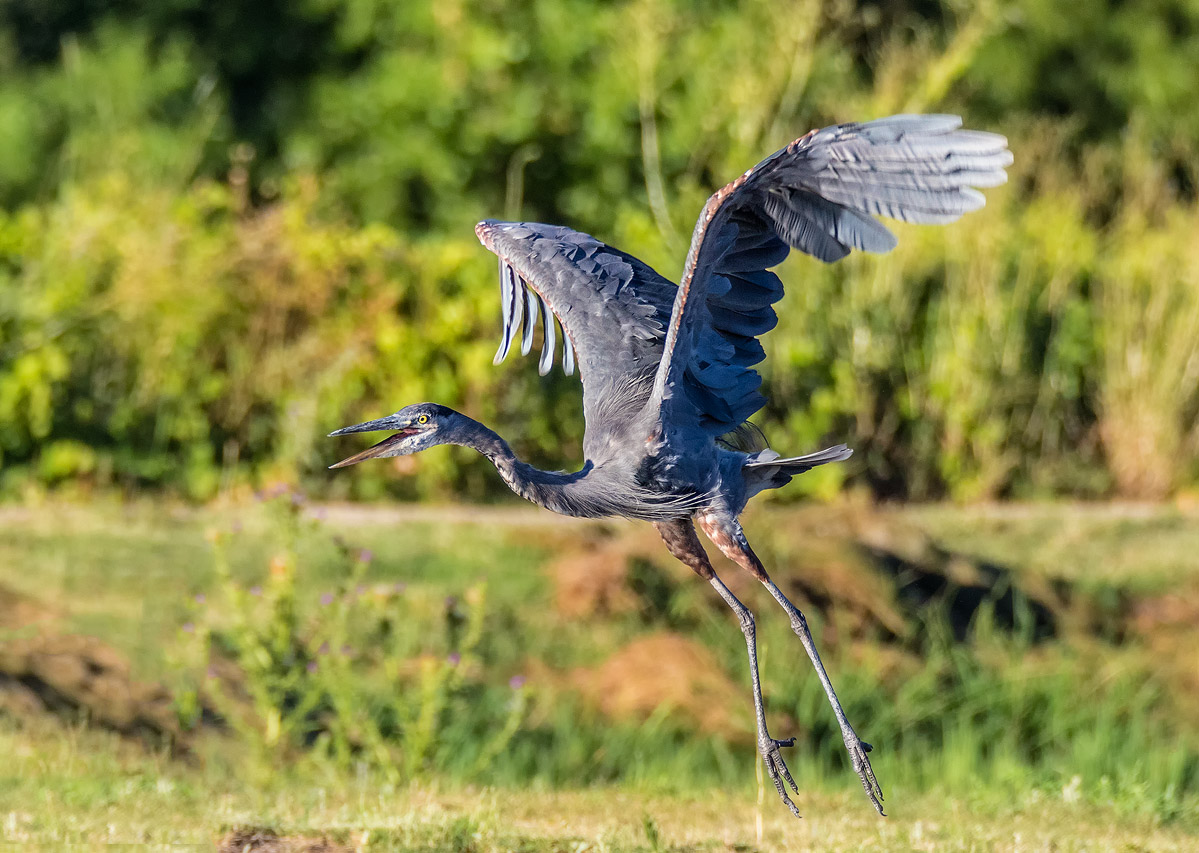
<point x="128" y="573"/>
<point x="93" y="790"/>
<point x="1076" y="744"/>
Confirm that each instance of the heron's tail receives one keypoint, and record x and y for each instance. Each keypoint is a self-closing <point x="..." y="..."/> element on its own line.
<point x="768" y="470"/>
<point x="799" y="464"/>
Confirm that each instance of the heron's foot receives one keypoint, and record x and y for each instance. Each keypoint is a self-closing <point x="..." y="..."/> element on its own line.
<point x="861" y="765"/>
<point x="776" y="768"/>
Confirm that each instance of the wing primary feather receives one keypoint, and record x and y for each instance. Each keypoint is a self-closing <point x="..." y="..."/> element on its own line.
<point x="548" y="341"/>
<point x="507" y="298"/>
<point x="531" y="303"/>
<point x="518" y="306"/>
<point x="513" y="307"/>
<point x="568" y="354"/>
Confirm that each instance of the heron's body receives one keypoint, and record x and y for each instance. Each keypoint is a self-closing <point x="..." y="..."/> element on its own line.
<point x="668" y="370"/>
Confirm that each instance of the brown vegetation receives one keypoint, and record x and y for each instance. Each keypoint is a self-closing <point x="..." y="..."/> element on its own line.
<point x="593" y="582"/>
<point x="1168" y="624"/>
<point x="258" y="840"/>
<point x="664" y="670"/>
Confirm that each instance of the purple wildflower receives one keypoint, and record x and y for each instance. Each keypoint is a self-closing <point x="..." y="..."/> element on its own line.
<point x="454" y="659"/>
<point x="189" y="627"/>
<point x="200" y="598"/>
<point x="326" y="599"/>
<point x="256" y="590"/>
<point x="516" y="682"/>
<point x="366" y="555"/>
<point x="311" y="666"/>
<point x="323" y="650"/>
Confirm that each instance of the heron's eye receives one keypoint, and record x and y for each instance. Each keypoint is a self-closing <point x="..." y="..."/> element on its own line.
<point x="423" y="419"/>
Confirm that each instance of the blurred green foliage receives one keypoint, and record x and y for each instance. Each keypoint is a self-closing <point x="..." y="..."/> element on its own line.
<point x="228" y="228"/>
<point x="336" y="678"/>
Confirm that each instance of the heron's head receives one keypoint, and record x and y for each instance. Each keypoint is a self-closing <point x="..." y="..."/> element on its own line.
<point x="417" y="427"/>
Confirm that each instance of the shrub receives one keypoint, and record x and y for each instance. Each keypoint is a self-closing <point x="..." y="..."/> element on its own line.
<point x="362" y="676"/>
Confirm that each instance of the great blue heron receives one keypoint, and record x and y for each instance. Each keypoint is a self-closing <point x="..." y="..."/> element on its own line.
<point x="667" y="370"/>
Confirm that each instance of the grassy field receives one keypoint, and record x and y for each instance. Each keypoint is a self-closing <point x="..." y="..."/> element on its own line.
<point x="1077" y="742"/>
<point x="91" y="791"/>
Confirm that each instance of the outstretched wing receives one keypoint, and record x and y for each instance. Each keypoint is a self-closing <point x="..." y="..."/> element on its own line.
<point x="820" y="195"/>
<point x="611" y="307"/>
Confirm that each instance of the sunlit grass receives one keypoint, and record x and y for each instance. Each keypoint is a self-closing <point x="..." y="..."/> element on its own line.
<point x="91" y="790"/>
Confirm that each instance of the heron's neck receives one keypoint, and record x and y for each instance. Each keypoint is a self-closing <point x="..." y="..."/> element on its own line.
<point x="568" y="494"/>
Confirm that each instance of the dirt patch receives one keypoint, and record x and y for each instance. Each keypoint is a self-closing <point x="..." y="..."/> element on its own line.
<point x="19" y="613"/>
<point x="1168" y="613"/>
<point x="667" y="671"/>
<point x="42" y="671"/>
<point x="80" y="676"/>
<point x="257" y="840"/>
<point x="1168" y="625"/>
<point x="593" y="583"/>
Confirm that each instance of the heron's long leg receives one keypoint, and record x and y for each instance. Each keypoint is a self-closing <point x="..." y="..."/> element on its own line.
<point x="680" y="538"/>
<point x="728" y="536"/>
<point x="768" y="746"/>
<point x="856" y="746"/>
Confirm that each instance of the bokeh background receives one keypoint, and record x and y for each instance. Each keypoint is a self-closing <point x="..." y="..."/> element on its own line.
<point x="230" y="227"/>
<point x="227" y="228"/>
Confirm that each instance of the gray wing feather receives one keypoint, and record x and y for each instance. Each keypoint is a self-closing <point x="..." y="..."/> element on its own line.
<point x="548" y="343"/>
<point x="532" y="303"/>
<point x="611" y="307"/>
<point x="512" y="306"/>
<point x="820" y="194"/>
<point x="568" y="355"/>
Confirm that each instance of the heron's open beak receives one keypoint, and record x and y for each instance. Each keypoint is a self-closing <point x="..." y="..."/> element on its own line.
<point x="379" y="449"/>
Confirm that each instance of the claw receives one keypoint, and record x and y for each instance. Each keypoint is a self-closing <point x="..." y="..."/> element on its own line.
<point x="777" y="770"/>
<point x="861" y="766"/>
